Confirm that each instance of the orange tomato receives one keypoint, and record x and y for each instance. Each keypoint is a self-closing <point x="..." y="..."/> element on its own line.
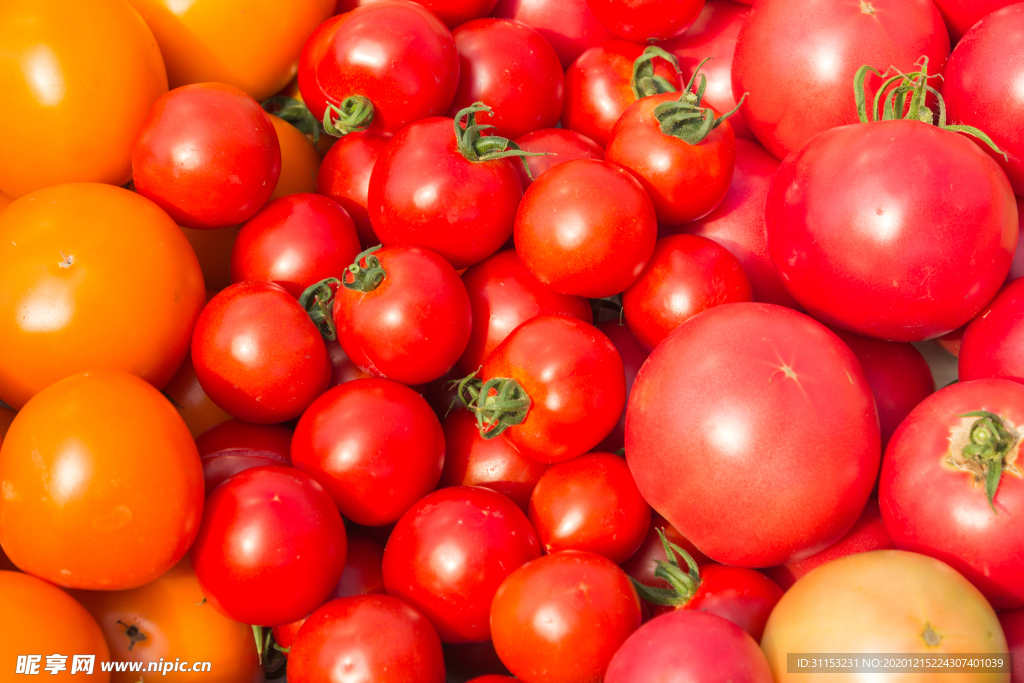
<point x="78" y="79"/>
<point x="192" y="403"/>
<point x="5" y="201"/>
<point x="100" y="483"/>
<point x="170" y="619"/>
<point x="299" y="160"/>
<point x="250" y="44"/>
<point x="37" y="618"/>
<point x="92" y="276"/>
<point x="213" y="249"/>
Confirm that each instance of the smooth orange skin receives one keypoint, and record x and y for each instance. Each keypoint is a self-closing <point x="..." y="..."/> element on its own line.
<point x="100" y="484"/>
<point x="198" y="411"/>
<point x="213" y="249"/>
<point x="253" y="45"/>
<point x="5" y="201"/>
<point x="37" y="618"/>
<point x="300" y="161"/>
<point x="78" y="80"/>
<point x="179" y="623"/>
<point x="128" y="301"/>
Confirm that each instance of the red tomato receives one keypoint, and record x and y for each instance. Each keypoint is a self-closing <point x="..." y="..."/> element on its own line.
<point x="234" y="446"/>
<point x="590" y="503"/>
<point x="961" y="15"/>
<point x="724" y="455"/>
<point x="704" y="647"/>
<point x="1012" y="622"/>
<point x="559" y="619"/>
<point x="503" y="295"/>
<point x="258" y="355"/>
<point x="296" y="241"/>
<point x="345" y="177"/>
<point x="449" y="553"/>
<point x="374" y="637"/>
<point x="644" y="562"/>
<point x="375" y="445"/>
<point x="786" y="71"/>
<point x="558" y="145"/>
<point x="568" y="25"/>
<point x="633" y="354"/>
<point x="208" y="155"/>
<point x="586" y="227"/>
<point x="271" y="546"/>
<point x="644" y="21"/>
<point x="951" y="485"/>
<point x="868" y="247"/>
<point x="511" y="68"/>
<point x="686" y="275"/>
<point x="342" y="368"/>
<point x="404" y="314"/>
<point x="992" y="342"/>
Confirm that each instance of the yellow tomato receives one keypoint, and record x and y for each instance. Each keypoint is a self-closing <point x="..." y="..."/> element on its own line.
<point x="78" y="79"/>
<point x="299" y="160"/>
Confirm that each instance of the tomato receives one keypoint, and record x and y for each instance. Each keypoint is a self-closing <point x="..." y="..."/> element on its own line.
<point x="191" y="402"/>
<point x="404" y="314"/>
<point x="92" y="63"/>
<point x="171" y="619"/>
<point x="295" y="241"/>
<point x="887" y="601"/>
<point x="503" y="295"/>
<point x="1017" y="267"/>
<point x="373" y="637"/>
<point x="633" y="354"/>
<point x="102" y="483"/>
<point x="271" y="547"/>
<point x="42" y="619"/>
<point x="992" y="341"/>
<point x="724" y="455"/>
<point x="449" y="553"/>
<point x="472" y="460"/>
<point x="590" y="503"/>
<point x="299" y="160"/>
<point x="345" y="177"/>
<point x="644" y="21"/>
<point x="560" y="618"/>
<point x="558" y="145"/>
<point x="568" y="25"/>
<point x="599" y="87"/>
<point x="586" y="227"/>
<point x="234" y="446"/>
<point x="342" y="368"/>
<point x="1012" y="622"/>
<point x="70" y="251"/>
<point x="799" y="86"/>
<point x="213" y="249"/>
<point x="375" y="445"/>
<point x="233" y="160"/>
<point x="643" y="564"/>
<point x="704" y="647"/>
<point x="951" y="485"/>
<point x="437" y="186"/>
<point x="5" y="201"/>
<point x="961" y="15"/>
<point x="258" y="355"/>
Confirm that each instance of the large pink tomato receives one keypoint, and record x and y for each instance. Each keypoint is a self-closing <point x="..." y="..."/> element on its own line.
<point x="993" y="341"/>
<point x="752" y="429"/>
<point x="961" y="15"/>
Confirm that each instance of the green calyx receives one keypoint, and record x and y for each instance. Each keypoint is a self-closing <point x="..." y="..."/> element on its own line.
<point x="908" y="101"/>
<point x="366" y="272"/>
<point x="644" y="81"/>
<point x="684" y="584"/>
<point x="477" y="148"/>
<point x="685" y="118"/>
<point x="354" y="114"/>
<point x="990" y="443"/>
<point x="271" y="655"/>
<point x="498" y="403"/>
<point x="294" y="112"/>
<point x="318" y="300"/>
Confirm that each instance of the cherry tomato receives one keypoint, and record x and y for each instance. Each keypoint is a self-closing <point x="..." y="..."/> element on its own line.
<point x="1012" y="622"/>
<point x="633" y="354"/>
<point x="102" y="483"/>
<point x="644" y="562"/>
<point x="374" y="444"/>
<point x="271" y="547"/>
<point x="345" y="177"/>
<point x="558" y="145"/>
<point x="233" y="446"/>
<point x="644" y="21"/>
<point x="191" y="402"/>
<point x="300" y="160"/>
<point x="992" y="341"/>
<point x="568" y="25"/>
<point x="961" y="15"/>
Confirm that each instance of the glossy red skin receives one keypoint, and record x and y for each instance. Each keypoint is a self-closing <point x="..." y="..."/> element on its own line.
<point x="375" y="445"/>
<point x="449" y="553"/>
<point x="723" y="454"/>
<point x="686" y="275"/>
<point x="503" y="295"/>
<point x="452" y="12"/>
<point x="345" y="177"/>
<point x="714" y="35"/>
<point x="568" y="25"/>
<point x="471" y="460"/>
<point x="342" y="368"/>
<point x="411" y="328"/>
<point x="231" y="163"/>
<point x="800" y="87"/>
<point x="425" y="193"/>
<point x="598" y="90"/>
<point x="633" y="354"/>
<point x="993" y="341"/>
<point x="980" y="86"/>
<point x="586" y="227"/>
<point x="559" y="619"/>
<point x="257" y="354"/>
<point x="642" y="565"/>
<point x="511" y="68"/>
<point x="644" y="21"/>
<point x="868" y="247"/>
<point x="295" y="241"/>
<point x="270" y="548"/>
<point x="685" y="181"/>
<point x="866" y="535"/>
<point x="705" y="647"/>
<point x="558" y="145"/>
<point x="317" y="44"/>
<point x="590" y="503"/>
<point x="366" y="638"/>
<point x="413" y="72"/>
<point x="574" y="378"/>
<point x="233" y="446"/>
<point x="961" y="15"/>
<point x="930" y="507"/>
<point x="1013" y="628"/>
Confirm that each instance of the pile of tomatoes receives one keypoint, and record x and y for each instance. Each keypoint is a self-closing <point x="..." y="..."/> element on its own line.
<point x="562" y="341"/>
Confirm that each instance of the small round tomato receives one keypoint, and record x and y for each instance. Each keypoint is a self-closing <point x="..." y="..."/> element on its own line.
<point x="992" y="342"/>
<point x="557" y="145"/>
<point x="644" y="21"/>
<point x="586" y="227"/>
<point x="258" y="355"/>
<point x="234" y="446"/>
<point x="1012" y="622"/>
<point x="568" y="25"/>
<point x="633" y="354"/>
<point x="195" y="407"/>
<point x="374" y="444"/>
<point x="102" y="484"/>
<point x="345" y="177"/>
<point x="300" y="161"/>
<point x="449" y="553"/>
<point x="271" y="547"/>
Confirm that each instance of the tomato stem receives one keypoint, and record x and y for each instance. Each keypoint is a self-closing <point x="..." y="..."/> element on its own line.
<point x="294" y="112"/>
<point x="990" y="442"/>
<point x="318" y="300"/>
<point x="685" y="118"/>
<point x="644" y="81"/>
<point x="354" y="114"/>
<point x="684" y="584"/>
<point x="134" y="634"/>
<point x="366" y="272"/>
<point x="498" y="403"/>
<point x="477" y="148"/>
